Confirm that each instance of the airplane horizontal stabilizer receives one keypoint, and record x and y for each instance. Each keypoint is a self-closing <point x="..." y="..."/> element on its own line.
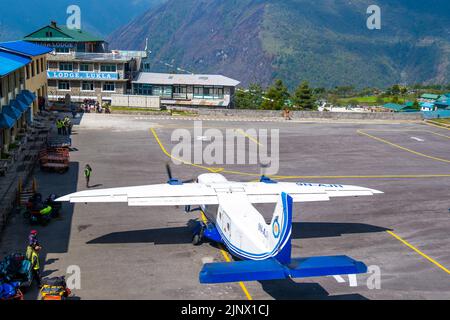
<point x="271" y="269"/>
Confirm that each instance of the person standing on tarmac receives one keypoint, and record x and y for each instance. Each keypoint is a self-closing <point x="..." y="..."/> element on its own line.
<point x="35" y="264"/>
<point x="64" y="127"/>
<point x="59" y="126"/>
<point x="69" y="126"/>
<point x="87" y="174"/>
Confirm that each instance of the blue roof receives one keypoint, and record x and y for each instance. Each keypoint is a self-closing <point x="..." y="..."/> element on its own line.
<point x="6" y="122"/>
<point x="426" y="104"/>
<point x="25" y="48"/>
<point x="10" y="62"/>
<point x="12" y="112"/>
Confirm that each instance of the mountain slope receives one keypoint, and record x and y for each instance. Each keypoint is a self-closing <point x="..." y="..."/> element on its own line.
<point x="325" y="41"/>
<point x="98" y="16"/>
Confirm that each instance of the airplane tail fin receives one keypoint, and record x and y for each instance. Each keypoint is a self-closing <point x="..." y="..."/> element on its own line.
<point x="281" y="229"/>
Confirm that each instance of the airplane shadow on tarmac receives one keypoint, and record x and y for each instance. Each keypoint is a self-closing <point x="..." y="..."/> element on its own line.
<point x="288" y="289"/>
<point x="182" y="235"/>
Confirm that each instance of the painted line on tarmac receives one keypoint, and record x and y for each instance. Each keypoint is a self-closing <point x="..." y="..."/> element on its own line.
<point x="392" y="176"/>
<point x="435" y="125"/>
<point x="280" y="177"/>
<point x="242" y="132"/>
<point x="409" y="130"/>
<point x="419" y="252"/>
<point x="228" y="259"/>
<point x="403" y="148"/>
<point x="213" y="170"/>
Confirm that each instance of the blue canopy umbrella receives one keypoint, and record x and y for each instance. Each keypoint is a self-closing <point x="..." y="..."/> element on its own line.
<point x="19" y="105"/>
<point x="29" y="94"/>
<point x="6" y="122"/>
<point x="24" y="98"/>
<point x="12" y="112"/>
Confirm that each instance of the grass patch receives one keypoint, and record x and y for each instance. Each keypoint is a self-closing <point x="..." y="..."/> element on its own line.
<point x="156" y="111"/>
<point x="444" y="121"/>
<point x="137" y="109"/>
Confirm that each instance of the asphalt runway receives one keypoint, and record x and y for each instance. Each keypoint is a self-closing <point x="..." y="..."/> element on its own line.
<point x="146" y="253"/>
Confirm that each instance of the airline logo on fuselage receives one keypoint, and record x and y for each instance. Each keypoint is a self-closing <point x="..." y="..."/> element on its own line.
<point x="320" y="185"/>
<point x="263" y="230"/>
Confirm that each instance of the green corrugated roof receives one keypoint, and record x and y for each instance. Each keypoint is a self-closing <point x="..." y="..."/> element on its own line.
<point x="62" y="34"/>
<point x="430" y="96"/>
<point x="394" y="106"/>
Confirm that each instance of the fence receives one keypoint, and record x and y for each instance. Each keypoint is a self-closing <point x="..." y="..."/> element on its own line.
<point x="436" y="114"/>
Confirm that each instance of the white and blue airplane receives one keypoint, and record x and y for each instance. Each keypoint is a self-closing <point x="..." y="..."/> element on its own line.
<point x="263" y="250"/>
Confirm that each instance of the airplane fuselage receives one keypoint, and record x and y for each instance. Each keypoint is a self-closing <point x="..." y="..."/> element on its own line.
<point x="241" y="227"/>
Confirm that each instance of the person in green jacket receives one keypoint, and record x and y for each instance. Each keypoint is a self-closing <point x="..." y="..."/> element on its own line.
<point x="87" y="174"/>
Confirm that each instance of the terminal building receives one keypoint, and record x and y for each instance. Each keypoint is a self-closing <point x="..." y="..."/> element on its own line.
<point x="81" y="65"/>
<point x="189" y="90"/>
<point x="23" y="83"/>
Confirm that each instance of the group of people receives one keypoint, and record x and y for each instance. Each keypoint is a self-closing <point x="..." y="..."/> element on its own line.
<point x="90" y="105"/>
<point x="32" y="254"/>
<point x="64" y="126"/>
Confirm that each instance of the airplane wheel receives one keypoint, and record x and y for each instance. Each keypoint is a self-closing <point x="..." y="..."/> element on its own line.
<point x="196" y="240"/>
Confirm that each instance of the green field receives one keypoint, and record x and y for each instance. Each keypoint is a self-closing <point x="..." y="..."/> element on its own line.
<point x="372" y="100"/>
<point x="444" y="121"/>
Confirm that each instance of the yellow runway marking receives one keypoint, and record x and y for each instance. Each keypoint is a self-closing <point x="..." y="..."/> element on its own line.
<point x="418" y="251"/>
<point x="281" y="177"/>
<point x="409" y="130"/>
<point x="393" y="176"/>
<point x="228" y="259"/>
<point x="435" y="125"/>
<point x="213" y="170"/>
<point x="240" y="131"/>
<point x="402" y="148"/>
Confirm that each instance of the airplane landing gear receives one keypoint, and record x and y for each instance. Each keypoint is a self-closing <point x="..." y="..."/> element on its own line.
<point x="199" y="231"/>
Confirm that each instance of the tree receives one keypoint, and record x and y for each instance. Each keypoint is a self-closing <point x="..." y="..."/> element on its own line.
<point x="395" y="100"/>
<point x="276" y="96"/>
<point x="395" y="90"/>
<point x="353" y="102"/>
<point x="380" y="100"/>
<point x="303" y="97"/>
<point x="251" y="98"/>
<point x="416" y="105"/>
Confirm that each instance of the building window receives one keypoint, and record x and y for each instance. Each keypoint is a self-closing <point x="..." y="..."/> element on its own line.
<point x="87" y="86"/>
<point x="198" y="92"/>
<point x="84" y="67"/>
<point x="108" y="68"/>
<point x="28" y="71"/>
<point x="63" y="85"/>
<point x="42" y="64"/>
<point x="180" y="92"/>
<point x="62" y="50"/>
<point x="32" y="69"/>
<point x="65" y="66"/>
<point x="38" y="66"/>
<point x="109" y="86"/>
<point x="143" y="89"/>
<point x="218" y="93"/>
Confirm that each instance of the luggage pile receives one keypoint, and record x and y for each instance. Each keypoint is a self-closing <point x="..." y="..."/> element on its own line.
<point x="41" y="212"/>
<point x="55" y="289"/>
<point x="10" y="291"/>
<point x="15" y="274"/>
<point x="54" y="159"/>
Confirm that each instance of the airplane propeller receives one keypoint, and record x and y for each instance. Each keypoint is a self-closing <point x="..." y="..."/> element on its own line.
<point x="264" y="178"/>
<point x="175" y="181"/>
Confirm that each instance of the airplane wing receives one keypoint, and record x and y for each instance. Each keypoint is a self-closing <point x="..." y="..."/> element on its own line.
<point x="152" y="195"/>
<point x="260" y="192"/>
<point x="200" y="194"/>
